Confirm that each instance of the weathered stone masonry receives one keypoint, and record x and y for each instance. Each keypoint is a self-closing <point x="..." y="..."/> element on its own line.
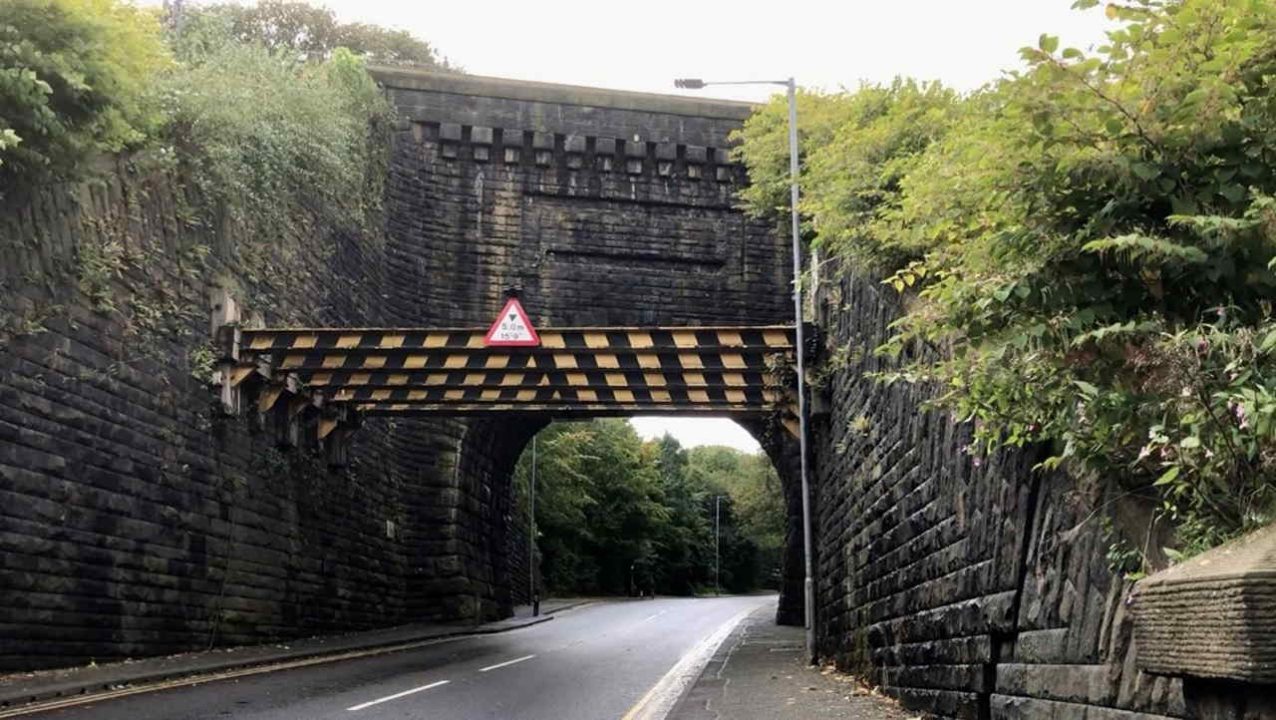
<point x="134" y="519"/>
<point x="967" y="588"/>
<point x="602" y="208"/>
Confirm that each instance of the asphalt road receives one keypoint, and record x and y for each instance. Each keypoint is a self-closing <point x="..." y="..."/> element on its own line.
<point x="591" y="663"/>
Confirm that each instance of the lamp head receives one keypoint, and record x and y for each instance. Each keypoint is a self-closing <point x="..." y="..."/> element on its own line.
<point x="689" y="83"/>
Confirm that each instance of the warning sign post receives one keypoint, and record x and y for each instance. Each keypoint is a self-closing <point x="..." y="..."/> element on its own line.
<point x="512" y="328"/>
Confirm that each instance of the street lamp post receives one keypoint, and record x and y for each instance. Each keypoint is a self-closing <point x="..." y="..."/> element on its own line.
<point x="808" y="585"/>
<point x="717" y="534"/>
<point x="531" y="539"/>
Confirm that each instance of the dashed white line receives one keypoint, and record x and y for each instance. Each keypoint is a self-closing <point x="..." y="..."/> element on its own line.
<point x="506" y="663"/>
<point x="396" y="696"/>
<point x="653" y="617"/>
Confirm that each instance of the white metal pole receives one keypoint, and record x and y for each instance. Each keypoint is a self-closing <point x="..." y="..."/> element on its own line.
<point x="717" y="534"/>
<point x="808" y="584"/>
<point x="531" y="537"/>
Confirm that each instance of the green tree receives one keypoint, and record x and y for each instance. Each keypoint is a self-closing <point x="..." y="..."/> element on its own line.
<point x="598" y="505"/>
<point x="303" y="30"/>
<point x="1087" y="244"/>
<point x="74" y="77"/>
<point x="755" y="514"/>
<point x="617" y="515"/>
<point x="685" y="552"/>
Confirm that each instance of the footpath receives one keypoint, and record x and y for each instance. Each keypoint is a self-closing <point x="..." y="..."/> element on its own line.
<point x="20" y="689"/>
<point x="760" y="673"/>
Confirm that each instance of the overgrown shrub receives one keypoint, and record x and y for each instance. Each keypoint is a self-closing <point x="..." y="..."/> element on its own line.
<point x="1089" y="243"/>
<point x="74" y="77"/>
<point x="303" y="31"/>
<point x="263" y="131"/>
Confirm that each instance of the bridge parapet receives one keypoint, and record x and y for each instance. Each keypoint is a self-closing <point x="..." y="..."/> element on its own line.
<point x="606" y="207"/>
<point x="568" y="127"/>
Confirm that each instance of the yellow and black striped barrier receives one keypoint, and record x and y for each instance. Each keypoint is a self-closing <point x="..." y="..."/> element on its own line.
<point x="574" y="371"/>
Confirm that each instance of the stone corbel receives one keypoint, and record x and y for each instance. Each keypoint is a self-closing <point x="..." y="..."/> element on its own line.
<point x="336" y="432"/>
<point x="225" y="328"/>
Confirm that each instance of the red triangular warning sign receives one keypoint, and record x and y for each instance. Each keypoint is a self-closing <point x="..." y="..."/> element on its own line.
<point x="512" y="328"/>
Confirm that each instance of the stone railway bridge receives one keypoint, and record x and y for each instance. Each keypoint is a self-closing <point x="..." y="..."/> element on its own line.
<point x="136" y="518"/>
<point x="601" y="208"/>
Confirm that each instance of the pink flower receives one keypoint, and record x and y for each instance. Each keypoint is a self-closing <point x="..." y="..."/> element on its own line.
<point x="1238" y="411"/>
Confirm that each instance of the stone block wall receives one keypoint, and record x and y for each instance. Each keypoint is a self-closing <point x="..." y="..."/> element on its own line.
<point x="602" y="208"/>
<point x="968" y="587"/>
<point x="134" y="518"/>
<point x="609" y="213"/>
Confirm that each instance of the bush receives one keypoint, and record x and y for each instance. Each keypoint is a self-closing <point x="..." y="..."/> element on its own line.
<point x="259" y="131"/>
<point x="74" y="77"/>
<point x="303" y="31"/>
<point x="1089" y="243"/>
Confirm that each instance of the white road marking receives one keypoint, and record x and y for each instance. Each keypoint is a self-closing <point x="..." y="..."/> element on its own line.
<point x="396" y="696"/>
<point x="661" y="698"/>
<point x="653" y="617"/>
<point x="506" y="663"/>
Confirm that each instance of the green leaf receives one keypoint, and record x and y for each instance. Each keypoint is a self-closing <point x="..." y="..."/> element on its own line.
<point x="1234" y="193"/>
<point x="1048" y="43"/>
<point x="1144" y="247"/>
<point x="1168" y="476"/>
<point x="1086" y="388"/>
<point x="1145" y="171"/>
<point x="1191" y="442"/>
<point x="1269" y="342"/>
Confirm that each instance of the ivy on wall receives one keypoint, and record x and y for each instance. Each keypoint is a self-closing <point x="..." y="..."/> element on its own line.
<point x="273" y="149"/>
<point x="1089" y="241"/>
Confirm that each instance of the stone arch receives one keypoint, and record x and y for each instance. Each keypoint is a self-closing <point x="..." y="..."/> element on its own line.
<point x="603" y="208"/>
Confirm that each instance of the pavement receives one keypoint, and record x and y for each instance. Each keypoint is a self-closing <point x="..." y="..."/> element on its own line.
<point x="760" y="673"/>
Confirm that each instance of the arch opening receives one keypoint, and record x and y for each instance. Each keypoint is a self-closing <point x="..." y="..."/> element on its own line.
<point x="623" y="514"/>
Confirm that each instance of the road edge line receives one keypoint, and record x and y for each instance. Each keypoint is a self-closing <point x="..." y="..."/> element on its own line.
<point x="662" y="697"/>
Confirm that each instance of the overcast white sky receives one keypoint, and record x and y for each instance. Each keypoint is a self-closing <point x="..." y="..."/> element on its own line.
<point x="644" y="45"/>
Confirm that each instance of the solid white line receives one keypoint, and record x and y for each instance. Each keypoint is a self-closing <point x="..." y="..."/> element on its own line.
<point x="506" y="663"/>
<point x="660" y="699"/>
<point x="396" y="696"/>
<point x="653" y="617"/>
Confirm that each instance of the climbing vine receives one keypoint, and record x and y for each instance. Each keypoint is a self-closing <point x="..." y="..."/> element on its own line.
<point x="1087" y="242"/>
<point x="267" y="152"/>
